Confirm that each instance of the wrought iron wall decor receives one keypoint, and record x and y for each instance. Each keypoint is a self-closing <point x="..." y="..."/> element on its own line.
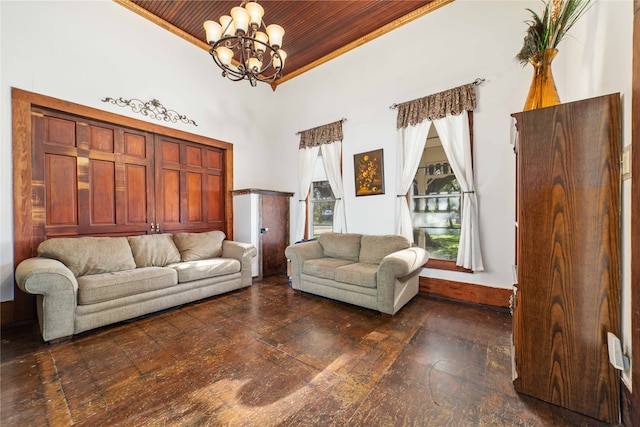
<point x="153" y="109"/>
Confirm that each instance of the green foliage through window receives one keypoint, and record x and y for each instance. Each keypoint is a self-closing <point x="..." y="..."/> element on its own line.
<point x="322" y="203"/>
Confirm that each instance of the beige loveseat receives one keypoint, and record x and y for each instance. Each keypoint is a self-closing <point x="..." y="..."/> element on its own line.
<point x="87" y="282"/>
<point x="376" y="272"/>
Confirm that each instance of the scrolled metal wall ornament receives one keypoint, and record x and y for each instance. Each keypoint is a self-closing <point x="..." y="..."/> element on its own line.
<point x="153" y="109"/>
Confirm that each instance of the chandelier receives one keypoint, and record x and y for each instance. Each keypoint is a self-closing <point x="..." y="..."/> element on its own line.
<point x="241" y="49"/>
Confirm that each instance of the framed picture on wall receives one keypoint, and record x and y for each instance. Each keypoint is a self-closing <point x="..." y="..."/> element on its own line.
<point x="368" y="173"/>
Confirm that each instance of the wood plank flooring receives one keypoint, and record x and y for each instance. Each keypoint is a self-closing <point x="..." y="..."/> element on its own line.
<point x="271" y="356"/>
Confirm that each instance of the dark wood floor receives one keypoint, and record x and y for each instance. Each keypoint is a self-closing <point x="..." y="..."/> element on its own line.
<point x="271" y="356"/>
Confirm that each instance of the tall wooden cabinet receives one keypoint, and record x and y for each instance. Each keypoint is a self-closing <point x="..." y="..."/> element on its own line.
<point x="568" y="254"/>
<point x="261" y="217"/>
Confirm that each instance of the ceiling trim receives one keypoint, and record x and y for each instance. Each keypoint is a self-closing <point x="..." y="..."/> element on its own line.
<point x="435" y="4"/>
<point x="162" y="23"/>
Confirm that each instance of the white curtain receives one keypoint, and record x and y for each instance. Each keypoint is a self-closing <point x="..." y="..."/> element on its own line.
<point x="411" y="142"/>
<point x="308" y="157"/>
<point x="331" y="158"/>
<point x="454" y="136"/>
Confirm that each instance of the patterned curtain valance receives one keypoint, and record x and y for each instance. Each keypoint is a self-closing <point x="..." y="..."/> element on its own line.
<point x="449" y="102"/>
<point x="325" y="134"/>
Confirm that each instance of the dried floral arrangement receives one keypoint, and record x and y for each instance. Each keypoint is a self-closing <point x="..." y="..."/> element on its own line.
<point x="547" y="31"/>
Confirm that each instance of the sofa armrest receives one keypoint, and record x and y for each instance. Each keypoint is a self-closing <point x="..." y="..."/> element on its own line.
<point x="243" y="252"/>
<point x="298" y="254"/>
<point x="57" y="290"/>
<point x="396" y="269"/>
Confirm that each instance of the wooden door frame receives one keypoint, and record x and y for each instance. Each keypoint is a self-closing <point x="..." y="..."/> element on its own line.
<point x="21" y="308"/>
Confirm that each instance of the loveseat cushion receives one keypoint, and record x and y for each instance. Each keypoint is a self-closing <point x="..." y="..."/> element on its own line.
<point x="153" y="250"/>
<point x="340" y="245"/>
<point x="359" y="274"/>
<point x="108" y="286"/>
<point x="89" y="255"/>
<point x="205" y="268"/>
<point x="195" y="246"/>
<point x="323" y="267"/>
<point x="374" y="248"/>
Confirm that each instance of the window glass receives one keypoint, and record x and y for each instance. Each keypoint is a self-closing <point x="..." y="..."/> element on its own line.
<point x="321" y="202"/>
<point x="435" y="203"/>
<point x="321" y="205"/>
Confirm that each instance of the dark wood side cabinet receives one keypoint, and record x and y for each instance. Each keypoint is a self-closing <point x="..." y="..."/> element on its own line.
<point x="568" y="255"/>
<point x="261" y="217"/>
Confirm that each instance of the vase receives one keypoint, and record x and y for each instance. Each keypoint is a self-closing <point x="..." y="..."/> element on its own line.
<point x="543" y="92"/>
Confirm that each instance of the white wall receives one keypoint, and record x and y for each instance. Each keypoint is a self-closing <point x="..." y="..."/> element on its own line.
<point x="429" y="55"/>
<point x="599" y="62"/>
<point x="84" y="51"/>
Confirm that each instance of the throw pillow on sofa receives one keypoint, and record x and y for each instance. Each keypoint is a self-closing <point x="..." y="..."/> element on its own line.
<point x="196" y="246"/>
<point x="89" y="255"/>
<point x="340" y="245"/>
<point x="153" y="250"/>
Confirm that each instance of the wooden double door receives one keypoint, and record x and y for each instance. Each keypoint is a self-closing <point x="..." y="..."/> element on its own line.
<point x="96" y="178"/>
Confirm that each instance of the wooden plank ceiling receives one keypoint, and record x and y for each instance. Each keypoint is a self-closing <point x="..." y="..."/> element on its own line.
<point x="316" y="31"/>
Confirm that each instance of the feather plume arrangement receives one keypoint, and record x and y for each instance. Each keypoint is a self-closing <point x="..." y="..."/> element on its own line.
<point x="547" y="30"/>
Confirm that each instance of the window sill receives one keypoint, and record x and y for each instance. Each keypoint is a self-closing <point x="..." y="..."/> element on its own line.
<point x="441" y="264"/>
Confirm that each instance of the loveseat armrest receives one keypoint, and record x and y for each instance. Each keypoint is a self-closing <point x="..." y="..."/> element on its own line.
<point x="243" y="252"/>
<point x="298" y="254"/>
<point x="57" y="291"/>
<point x="394" y="272"/>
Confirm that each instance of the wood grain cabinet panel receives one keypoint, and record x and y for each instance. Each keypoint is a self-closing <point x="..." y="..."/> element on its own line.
<point x="568" y="254"/>
<point x="97" y="177"/>
<point x="190" y="186"/>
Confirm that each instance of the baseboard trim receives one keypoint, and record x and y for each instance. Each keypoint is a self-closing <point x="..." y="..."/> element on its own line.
<point x="6" y="313"/>
<point x="465" y="292"/>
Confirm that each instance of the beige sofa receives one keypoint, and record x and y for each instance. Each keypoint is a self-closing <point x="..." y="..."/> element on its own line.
<point x="87" y="282"/>
<point x="376" y="272"/>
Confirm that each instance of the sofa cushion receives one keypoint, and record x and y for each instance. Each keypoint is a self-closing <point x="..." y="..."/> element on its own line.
<point x="359" y="274"/>
<point x="374" y="248"/>
<point x="195" y="246"/>
<point x="341" y="245"/>
<point x="323" y="267"/>
<point x="203" y="269"/>
<point x="153" y="250"/>
<point x="89" y="255"/>
<point x="108" y="286"/>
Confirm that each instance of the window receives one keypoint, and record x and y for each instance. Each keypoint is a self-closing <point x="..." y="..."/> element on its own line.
<point x="435" y="203"/>
<point x="321" y="202"/>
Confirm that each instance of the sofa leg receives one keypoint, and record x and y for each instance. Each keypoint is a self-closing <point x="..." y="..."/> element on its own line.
<point x="386" y="315"/>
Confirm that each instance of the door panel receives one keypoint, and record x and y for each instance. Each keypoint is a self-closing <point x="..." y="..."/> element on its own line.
<point x="190" y="196"/>
<point x="103" y="184"/>
<point x="275" y="235"/>
<point x="90" y="178"/>
<point x="61" y="190"/>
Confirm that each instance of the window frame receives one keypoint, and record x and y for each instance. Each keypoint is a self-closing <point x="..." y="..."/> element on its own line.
<point x="307" y="201"/>
<point x="443" y="264"/>
<point x="309" y="206"/>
